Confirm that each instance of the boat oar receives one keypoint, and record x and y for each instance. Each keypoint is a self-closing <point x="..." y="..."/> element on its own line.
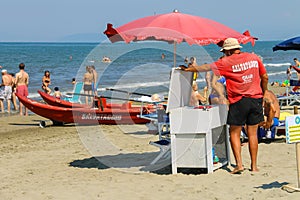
<point x="129" y="93"/>
<point x="88" y="95"/>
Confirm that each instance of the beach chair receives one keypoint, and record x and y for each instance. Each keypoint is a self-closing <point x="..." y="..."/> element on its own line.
<point x="291" y="97"/>
<point x="164" y="142"/>
<point x="75" y="98"/>
<point x="160" y="119"/>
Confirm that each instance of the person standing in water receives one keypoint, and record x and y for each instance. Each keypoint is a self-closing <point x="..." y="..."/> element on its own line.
<point x="21" y="82"/>
<point x="88" y="79"/>
<point x="6" y="90"/>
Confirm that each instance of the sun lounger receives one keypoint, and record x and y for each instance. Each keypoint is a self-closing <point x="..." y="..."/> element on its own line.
<point x="291" y="97"/>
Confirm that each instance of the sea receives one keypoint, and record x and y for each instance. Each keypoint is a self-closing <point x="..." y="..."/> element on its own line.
<point x="136" y="67"/>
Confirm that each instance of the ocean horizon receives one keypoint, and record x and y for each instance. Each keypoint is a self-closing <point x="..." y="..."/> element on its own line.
<point x="135" y="66"/>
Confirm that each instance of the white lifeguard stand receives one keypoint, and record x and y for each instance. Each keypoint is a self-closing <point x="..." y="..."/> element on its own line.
<point x="195" y="131"/>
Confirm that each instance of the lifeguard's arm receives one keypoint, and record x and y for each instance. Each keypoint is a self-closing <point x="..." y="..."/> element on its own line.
<point x="197" y="68"/>
<point x="264" y="82"/>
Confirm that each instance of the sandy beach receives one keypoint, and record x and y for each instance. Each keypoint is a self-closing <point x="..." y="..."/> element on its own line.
<point x="63" y="163"/>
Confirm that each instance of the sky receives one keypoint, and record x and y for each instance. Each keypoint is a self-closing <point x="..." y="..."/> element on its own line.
<point x="77" y="20"/>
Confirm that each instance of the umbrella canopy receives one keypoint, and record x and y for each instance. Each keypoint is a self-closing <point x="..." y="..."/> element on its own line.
<point x="290" y="44"/>
<point x="175" y="28"/>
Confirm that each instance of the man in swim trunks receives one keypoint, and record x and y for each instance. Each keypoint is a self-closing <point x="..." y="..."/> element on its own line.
<point x="88" y="80"/>
<point x="6" y="90"/>
<point x="95" y="79"/>
<point x="246" y="83"/>
<point x="21" y="82"/>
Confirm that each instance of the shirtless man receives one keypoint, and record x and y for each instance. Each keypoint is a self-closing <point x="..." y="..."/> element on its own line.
<point x="271" y="110"/>
<point x="88" y="79"/>
<point x="6" y="90"/>
<point x="21" y="82"/>
<point x="95" y="78"/>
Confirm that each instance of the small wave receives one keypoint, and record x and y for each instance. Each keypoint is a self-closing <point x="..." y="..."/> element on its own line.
<point x="138" y="85"/>
<point x="33" y="95"/>
<point x="277" y="64"/>
<point x="147" y="84"/>
<point x="276" y="73"/>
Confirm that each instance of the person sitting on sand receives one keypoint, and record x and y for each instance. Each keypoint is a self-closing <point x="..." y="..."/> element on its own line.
<point x="271" y="109"/>
<point x="57" y="93"/>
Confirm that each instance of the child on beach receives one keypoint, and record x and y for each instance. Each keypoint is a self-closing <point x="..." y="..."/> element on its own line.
<point x="57" y="93"/>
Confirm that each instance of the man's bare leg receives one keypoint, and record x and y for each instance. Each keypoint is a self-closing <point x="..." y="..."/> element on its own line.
<point x="235" y="133"/>
<point x="2" y="106"/>
<point x="8" y="105"/>
<point x="253" y="145"/>
<point x="21" y="108"/>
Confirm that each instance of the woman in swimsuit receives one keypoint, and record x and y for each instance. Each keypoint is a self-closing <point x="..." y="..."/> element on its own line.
<point x="46" y="82"/>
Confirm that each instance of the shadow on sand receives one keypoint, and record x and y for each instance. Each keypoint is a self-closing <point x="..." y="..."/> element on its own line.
<point x="274" y="184"/>
<point x="134" y="162"/>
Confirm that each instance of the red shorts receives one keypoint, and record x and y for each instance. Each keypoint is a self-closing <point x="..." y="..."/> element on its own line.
<point x="22" y="90"/>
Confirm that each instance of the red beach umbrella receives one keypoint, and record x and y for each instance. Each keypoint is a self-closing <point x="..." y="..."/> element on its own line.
<point x="175" y="28"/>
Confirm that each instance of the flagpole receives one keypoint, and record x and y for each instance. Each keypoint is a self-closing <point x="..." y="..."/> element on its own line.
<point x="174" y="61"/>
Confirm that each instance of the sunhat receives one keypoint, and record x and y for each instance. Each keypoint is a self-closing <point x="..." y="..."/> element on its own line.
<point x="231" y="43"/>
<point x="4" y="71"/>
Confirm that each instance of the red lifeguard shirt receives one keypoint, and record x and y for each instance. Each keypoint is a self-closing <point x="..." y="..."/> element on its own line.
<point x="242" y="72"/>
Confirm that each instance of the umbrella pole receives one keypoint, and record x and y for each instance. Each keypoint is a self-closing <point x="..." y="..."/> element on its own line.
<point x="174" y="61"/>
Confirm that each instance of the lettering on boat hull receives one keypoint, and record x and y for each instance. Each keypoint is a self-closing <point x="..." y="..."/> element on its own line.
<point x="94" y="116"/>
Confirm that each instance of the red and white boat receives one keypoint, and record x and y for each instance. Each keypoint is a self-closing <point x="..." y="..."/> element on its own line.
<point x="122" y="114"/>
<point x="51" y="100"/>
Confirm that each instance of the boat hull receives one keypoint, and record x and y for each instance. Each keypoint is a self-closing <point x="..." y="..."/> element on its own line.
<point x="84" y="116"/>
<point x="51" y="100"/>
